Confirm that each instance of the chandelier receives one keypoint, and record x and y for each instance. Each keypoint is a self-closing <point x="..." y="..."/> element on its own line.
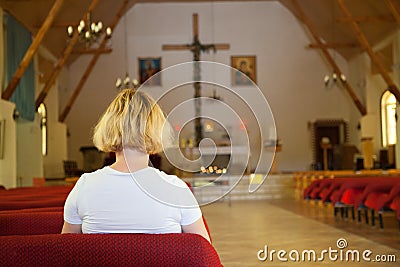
<point x="127" y="82"/>
<point x="89" y="31"/>
<point x="336" y="78"/>
<point x="330" y="81"/>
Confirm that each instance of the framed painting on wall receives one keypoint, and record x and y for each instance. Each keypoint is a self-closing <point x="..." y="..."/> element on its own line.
<point x="246" y="70"/>
<point x="147" y="68"/>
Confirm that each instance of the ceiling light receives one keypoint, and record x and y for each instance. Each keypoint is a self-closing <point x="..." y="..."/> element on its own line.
<point x="89" y="31"/>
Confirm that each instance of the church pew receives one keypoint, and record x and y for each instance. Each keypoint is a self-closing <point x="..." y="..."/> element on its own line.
<point x="31" y="203"/>
<point x="353" y="192"/>
<point x="31" y="223"/>
<point x="39" y="221"/>
<point x="354" y="184"/>
<point x="322" y="185"/>
<point x="380" y="188"/>
<point x="33" y="197"/>
<point x="381" y="200"/>
<point x="33" y="210"/>
<point x="308" y="192"/>
<point x="28" y="189"/>
<point x="395" y="205"/>
<point x="331" y="187"/>
<point x="107" y="250"/>
<point x="356" y="192"/>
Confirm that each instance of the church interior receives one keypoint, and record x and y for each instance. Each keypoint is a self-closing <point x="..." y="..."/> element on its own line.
<point x="284" y="114"/>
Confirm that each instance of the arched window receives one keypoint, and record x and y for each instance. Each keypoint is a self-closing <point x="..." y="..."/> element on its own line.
<point x="389" y="119"/>
<point x="43" y="125"/>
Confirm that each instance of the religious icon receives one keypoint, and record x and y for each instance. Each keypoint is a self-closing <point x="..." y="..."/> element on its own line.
<point x="147" y="68"/>
<point x="245" y="70"/>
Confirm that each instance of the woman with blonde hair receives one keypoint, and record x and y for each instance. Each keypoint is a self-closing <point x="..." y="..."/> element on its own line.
<point x="129" y="196"/>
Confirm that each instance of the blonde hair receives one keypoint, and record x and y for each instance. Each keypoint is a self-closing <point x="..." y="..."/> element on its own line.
<point x="132" y="120"/>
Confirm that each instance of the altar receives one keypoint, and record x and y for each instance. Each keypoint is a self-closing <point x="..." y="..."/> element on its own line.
<point x="212" y="161"/>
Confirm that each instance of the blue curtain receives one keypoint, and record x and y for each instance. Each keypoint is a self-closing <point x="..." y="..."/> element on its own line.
<point x="18" y="41"/>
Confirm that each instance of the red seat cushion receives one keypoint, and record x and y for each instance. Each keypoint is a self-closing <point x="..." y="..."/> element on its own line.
<point x="31" y="223"/>
<point x="108" y="250"/>
<point x="349" y="195"/>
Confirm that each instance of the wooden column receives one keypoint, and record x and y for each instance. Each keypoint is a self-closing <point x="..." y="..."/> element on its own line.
<point x="61" y="61"/>
<point x="328" y="57"/>
<point x="92" y="63"/>
<point x="31" y="51"/>
<point x="367" y="47"/>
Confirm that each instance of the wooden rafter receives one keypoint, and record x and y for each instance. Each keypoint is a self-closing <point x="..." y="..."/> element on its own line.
<point x="367" y="47"/>
<point x="61" y="61"/>
<point x="61" y="25"/>
<point x="26" y="60"/>
<point x="92" y="63"/>
<point x="92" y="51"/>
<point x="334" y="45"/>
<point x="328" y="56"/>
<point x="361" y="19"/>
<point x="394" y="10"/>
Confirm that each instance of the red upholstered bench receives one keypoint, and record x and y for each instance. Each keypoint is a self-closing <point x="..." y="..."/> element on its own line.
<point x="331" y="187"/>
<point x="384" y="199"/>
<point x="395" y="205"/>
<point x="381" y="198"/>
<point x="38" y="222"/>
<point x="315" y="192"/>
<point x="31" y="223"/>
<point x="356" y="193"/>
<point x="34" y="210"/>
<point x="107" y="250"/>
<point x="33" y="197"/>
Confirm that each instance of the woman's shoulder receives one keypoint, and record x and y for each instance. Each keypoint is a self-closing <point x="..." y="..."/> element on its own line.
<point x="87" y="176"/>
<point x="173" y="179"/>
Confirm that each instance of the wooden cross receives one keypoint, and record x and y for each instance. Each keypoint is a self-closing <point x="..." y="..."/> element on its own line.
<point x="196" y="47"/>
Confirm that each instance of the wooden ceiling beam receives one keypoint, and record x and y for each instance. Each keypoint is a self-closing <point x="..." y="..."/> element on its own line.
<point x="394" y="10"/>
<point x="361" y="19"/>
<point x="92" y="63"/>
<point x="62" y="24"/>
<point x="328" y="56"/>
<point x="26" y="60"/>
<point x="92" y="51"/>
<point x="61" y="61"/>
<point x="333" y="45"/>
<point x="367" y="47"/>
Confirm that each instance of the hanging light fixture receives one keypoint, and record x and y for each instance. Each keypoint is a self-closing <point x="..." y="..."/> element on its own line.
<point x="126" y="82"/>
<point x="331" y="80"/>
<point x="89" y="31"/>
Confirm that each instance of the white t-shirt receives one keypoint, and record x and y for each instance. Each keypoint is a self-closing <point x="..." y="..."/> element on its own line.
<point x="145" y="201"/>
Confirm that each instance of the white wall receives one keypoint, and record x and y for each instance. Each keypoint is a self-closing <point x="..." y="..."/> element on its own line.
<point x="29" y="151"/>
<point x="1" y="47"/>
<point x="57" y="137"/>
<point x="289" y="75"/>
<point x="8" y="164"/>
<point x="22" y="152"/>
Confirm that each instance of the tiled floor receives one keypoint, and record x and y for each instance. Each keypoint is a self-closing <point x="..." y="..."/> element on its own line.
<point x="241" y="230"/>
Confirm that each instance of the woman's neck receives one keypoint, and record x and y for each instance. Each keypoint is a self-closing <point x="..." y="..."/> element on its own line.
<point x="130" y="160"/>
